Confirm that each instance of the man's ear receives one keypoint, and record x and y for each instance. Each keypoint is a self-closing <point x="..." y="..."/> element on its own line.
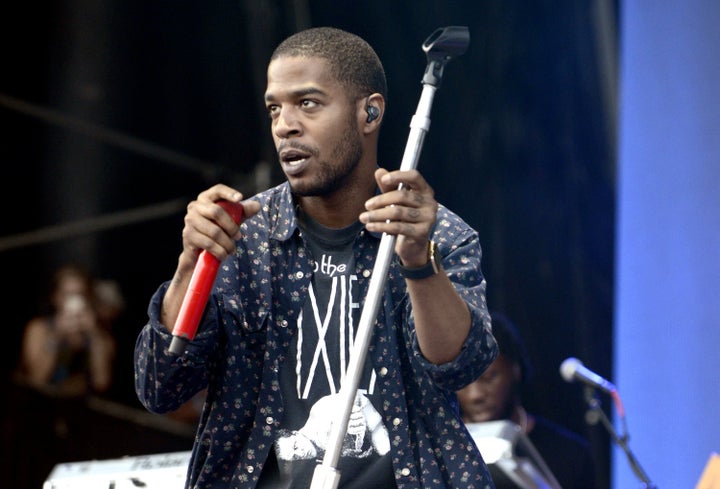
<point x="373" y="111"/>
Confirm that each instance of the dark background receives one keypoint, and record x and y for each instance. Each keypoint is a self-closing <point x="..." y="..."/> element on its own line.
<point x="116" y="113"/>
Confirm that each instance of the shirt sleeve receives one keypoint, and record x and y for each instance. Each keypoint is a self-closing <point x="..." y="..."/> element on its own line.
<point x="462" y="255"/>
<point x="164" y="381"/>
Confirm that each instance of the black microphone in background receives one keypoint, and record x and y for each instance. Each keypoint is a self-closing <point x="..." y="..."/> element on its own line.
<point x="573" y="369"/>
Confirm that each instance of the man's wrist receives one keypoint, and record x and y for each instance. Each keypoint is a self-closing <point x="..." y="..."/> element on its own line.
<point x="432" y="267"/>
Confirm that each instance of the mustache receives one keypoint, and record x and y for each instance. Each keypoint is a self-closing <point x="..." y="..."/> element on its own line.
<point x="296" y="146"/>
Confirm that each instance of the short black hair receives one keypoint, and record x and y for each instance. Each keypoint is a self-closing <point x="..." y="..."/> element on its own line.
<point x="353" y="62"/>
<point x="511" y="344"/>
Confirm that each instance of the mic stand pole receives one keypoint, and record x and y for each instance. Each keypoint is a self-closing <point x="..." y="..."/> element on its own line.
<point x="595" y="414"/>
<point x="440" y="47"/>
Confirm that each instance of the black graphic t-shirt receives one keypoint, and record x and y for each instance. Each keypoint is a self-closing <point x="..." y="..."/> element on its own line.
<point x="313" y="373"/>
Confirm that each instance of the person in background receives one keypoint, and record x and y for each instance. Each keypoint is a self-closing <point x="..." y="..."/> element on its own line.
<point x="109" y="302"/>
<point x="497" y="395"/>
<point x="68" y="351"/>
<point x="274" y="341"/>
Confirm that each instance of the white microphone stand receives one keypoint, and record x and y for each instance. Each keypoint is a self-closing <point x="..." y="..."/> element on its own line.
<point x="441" y="46"/>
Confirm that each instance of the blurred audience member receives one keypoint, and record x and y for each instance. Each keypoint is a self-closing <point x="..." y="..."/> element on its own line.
<point x="68" y="351"/>
<point x="497" y="395"/>
<point x="110" y="302"/>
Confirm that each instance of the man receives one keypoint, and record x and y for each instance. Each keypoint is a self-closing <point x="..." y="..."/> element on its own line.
<point x="276" y="335"/>
<point x="497" y="395"/>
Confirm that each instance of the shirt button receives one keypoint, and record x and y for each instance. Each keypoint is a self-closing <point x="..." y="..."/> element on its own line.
<point x="366" y="273"/>
<point x="299" y="275"/>
<point x="383" y="372"/>
<point x="269" y="420"/>
<point x="396" y="421"/>
<point x="405" y="471"/>
<point x="250" y="469"/>
<point x="284" y="323"/>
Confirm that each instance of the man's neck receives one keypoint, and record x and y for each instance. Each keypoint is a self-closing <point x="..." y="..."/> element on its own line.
<point x="341" y="208"/>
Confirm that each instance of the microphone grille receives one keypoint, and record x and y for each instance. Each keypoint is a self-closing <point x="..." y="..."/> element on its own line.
<point x="568" y="368"/>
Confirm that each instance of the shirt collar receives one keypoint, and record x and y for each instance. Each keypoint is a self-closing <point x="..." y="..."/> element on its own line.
<point x="286" y="221"/>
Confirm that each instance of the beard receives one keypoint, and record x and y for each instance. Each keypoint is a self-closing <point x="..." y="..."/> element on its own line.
<point x="332" y="175"/>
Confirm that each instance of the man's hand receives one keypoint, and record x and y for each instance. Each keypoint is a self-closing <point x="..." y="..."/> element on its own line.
<point x="408" y="213"/>
<point x="209" y="227"/>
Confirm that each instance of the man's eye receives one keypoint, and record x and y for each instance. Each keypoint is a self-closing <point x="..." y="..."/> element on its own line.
<point x="272" y="110"/>
<point x="309" y="104"/>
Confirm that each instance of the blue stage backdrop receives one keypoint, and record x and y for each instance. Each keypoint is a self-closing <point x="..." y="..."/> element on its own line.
<point x="667" y="316"/>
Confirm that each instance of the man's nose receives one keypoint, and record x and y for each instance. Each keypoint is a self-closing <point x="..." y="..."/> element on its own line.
<point x="287" y="123"/>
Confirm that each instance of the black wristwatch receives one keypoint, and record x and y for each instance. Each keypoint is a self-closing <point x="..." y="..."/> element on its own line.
<point x="432" y="267"/>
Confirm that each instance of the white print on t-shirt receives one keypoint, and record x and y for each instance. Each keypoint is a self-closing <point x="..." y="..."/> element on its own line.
<point x="324" y="342"/>
<point x="365" y="434"/>
<point x="326" y="266"/>
<point x="340" y="312"/>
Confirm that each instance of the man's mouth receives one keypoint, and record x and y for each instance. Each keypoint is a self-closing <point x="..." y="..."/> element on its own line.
<point x="294" y="160"/>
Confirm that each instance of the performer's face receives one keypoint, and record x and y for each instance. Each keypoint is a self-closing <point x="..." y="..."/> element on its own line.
<point x="314" y="124"/>
<point x="490" y="397"/>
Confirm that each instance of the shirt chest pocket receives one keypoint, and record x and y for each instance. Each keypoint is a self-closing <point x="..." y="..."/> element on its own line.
<point x="244" y="319"/>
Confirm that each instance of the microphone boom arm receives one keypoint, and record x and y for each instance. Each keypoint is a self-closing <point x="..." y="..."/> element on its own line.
<point x="594" y="414"/>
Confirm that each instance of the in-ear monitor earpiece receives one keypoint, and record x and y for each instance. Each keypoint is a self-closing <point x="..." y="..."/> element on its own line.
<point x="372" y="112"/>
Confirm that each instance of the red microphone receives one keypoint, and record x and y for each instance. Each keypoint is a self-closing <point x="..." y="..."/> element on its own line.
<point x="198" y="290"/>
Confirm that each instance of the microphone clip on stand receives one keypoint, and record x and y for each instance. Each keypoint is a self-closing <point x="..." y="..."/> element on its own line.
<point x="440" y="47"/>
<point x="595" y="413"/>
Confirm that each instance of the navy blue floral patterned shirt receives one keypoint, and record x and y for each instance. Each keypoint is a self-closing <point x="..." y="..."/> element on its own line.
<point x="244" y="335"/>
